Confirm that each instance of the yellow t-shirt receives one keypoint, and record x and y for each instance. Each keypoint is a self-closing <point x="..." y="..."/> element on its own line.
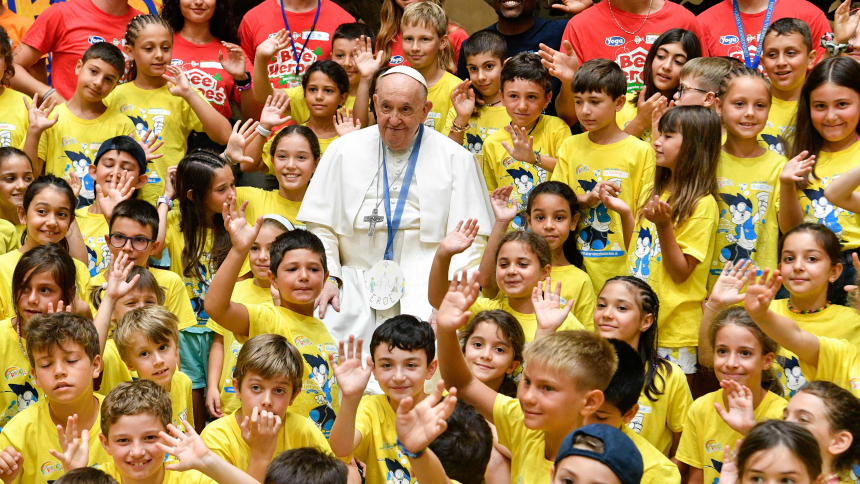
<point x="501" y="169"/>
<point x="680" y="303"/>
<point x="628" y="113"/>
<point x="440" y="95"/>
<point x="249" y="293"/>
<point x="9" y="260"/>
<point x="319" y="399"/>
<point x="170" y="477"/>
<point x="71" y="144"/>
<point x="299" y="106"/>
<point x="527" y="321"/>
<point x="94" y="228"/>
<point x="263" y="202"/>
<point x="749" y="203"/>
<point x="374" y="419"/>
<point x="9" y="237"/>
<point x="33" y="433"/>
<point x="838" y="362"/>
<point x="706" y="434"/>
<point x="224" y="438"/>
<point x="15" y="120"/>
<point x="492" y="119"/>
<point x="657" y="421"/>
<point x="656" y="467"/>
<point x="18" y="389"/>
<point x="780" y="125"/>
<point x="171" y="119"/>
<point x="528" y="447"/>
<point x="817" y="209"/>
<point x="582" y="163"/>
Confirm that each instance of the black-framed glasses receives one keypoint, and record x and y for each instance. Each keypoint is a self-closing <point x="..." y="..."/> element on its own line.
<point x="682" y="88"/>
<point x="137" y="243"/>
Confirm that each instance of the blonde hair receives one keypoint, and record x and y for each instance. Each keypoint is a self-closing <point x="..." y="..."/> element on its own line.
<point x="709" y="71"/>
<point x="270" y="356"/>
<point x="135" y="398"/>
<point x="156" y="323"/>
<point x="430" y="14"/>
<point x="585" y="357"/>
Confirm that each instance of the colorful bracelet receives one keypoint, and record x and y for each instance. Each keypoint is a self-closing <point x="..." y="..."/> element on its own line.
<point x="407" y="453"/>
<point x="456" y="128"/>
<point x="333" y="280"/>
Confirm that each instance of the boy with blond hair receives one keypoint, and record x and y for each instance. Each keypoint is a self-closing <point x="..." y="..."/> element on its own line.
<point x="700" y="81"/>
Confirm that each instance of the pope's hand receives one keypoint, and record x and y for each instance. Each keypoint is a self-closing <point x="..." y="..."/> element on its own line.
<point x="329" y="295"/>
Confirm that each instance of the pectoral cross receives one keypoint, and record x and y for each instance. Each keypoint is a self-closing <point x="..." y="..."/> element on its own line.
<point x="373" y="218"/>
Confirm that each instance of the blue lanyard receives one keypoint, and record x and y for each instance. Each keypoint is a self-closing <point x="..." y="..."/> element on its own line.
<point x="394" y="223"/>
<point x="298" y="55"/>
<point x="749" y="60"/>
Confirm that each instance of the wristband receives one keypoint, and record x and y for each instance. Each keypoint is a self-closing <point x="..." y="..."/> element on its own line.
<point x="48" y="93"/>
<point x="166" y="201"/>
<point x="407" y="453"/>
<point x="537" y="159"/>
<point x="334" y="281"/>
<point x="456" y="128"/>
<point x="265" y="133"/>
<point x="243" y="84"/>
<point x="227" y="158"/>
<point x="709" y="307"/>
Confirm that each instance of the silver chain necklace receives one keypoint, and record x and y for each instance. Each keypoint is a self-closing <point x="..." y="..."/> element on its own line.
<point x="650" y="3"/>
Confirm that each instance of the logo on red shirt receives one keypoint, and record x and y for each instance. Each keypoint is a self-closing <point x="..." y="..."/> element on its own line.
<point x="632" y="63"/>
<point x="207" y="85"/>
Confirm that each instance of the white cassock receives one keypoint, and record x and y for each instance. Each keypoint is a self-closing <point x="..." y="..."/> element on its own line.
<point x="447" y="187"/>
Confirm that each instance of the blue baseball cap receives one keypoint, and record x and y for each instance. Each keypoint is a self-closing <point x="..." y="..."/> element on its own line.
<point x="126" y="144"/>
<point x="619" y="452"/>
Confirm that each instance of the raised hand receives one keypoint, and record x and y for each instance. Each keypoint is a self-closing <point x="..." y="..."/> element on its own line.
<point x="59" y="308"/>
<point x="260" y="431"/>
<point x="75" y="183"/>
<point x="759" y="294"/>
<point x="561" y="65"/>
<point x="150" y="145"/>
<point x="658" y="212"/>
<point x="741" y="414"/>
<point x="239" y="140"/>
<point x="365" y="62"/>
<point x="274" y="44"/>
<point x="503" y="207"/>
<point x="797" y="167"/>
<point x="74" y="444"/>
<point x="117" y="287"/>
<point x="660" y="109"/>
<point x="612" y="189"/>
<point x="463" y="98"/>
<point x="419" y="425"/>
<point x="647" y="106"/>
<point x="460" y="238"/>
<point x="572" y="7"/>
<point x="522" y="144"/>
<point x="234" y="64"/>
<point x="350" y="375"/>
<point x="274" y="109"/>
<point x="844" y="24"/>
<point x="242" y="235"/>
<point x="729" y="471"/>
<point x="119" y="188"/>
<point x="11" y="464"/>
<point x="727" y="289"/>
<point x="454" y="310"/>
<point x="549" y="313"/>
<point x="610" y="201"/>
<point x="39" y="115"/>
<point x="188" y="448"/>
<point x="345" y="123"/>
<point x="170" y="183"/>
<point x="177" y="82"/>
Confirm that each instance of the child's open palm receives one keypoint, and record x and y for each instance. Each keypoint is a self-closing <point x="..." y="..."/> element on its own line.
<point x="549" y="313"/>
<point x="345" y="123"/>
<point x="234" y="64"/>
<point x="119" y="188"/>
<point x="460" y="238"/>
<point x="150" y="145"/>
<point x="463" y="98"/>
<point x="522" y="144"/>
<point x="561" y="65"/>
<point x="500" y="199"/>
<point x="188" y="448"/>
<point x="365" y="62"/>
<point x="419" y="425"/>
<point x="797" y="168"/>
<point x="727" y="289"/>
<point x="238" y="140"/>
<point x="658" y="212"/>
<point x="39" y="115"/>
<point x="350" y="375"/>
<point x="177" y="82"/>
<point x="740" y="415"/>
<point x="454" y="309"/>
<point x="274" y="44"/>
<point x="760" y="294"/>
<point x="75" y="446"/>
<point x="273" y="110"/>
<point x="844" y="24"/>
<point x="242" y="235"/>
<point x="117" y="287"/>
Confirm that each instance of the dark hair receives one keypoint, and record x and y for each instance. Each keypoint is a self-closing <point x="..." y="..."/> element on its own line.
<point x="843" y="414"/>
<point x="332" y="70"/>
<point x="536" y="243"/>
<point x="137" y="24"/>
<point x="42" y="183"/>
<point x="648" y="303"/>
<point x="7" y="152"/>
<point x="464" y="448"/>
<point x="147" y="282"/>
<point x="563" y="190"/>
<point x="841" y="71"/>
<point x="511" y="330"/>
<point x="299" y="130"/>
<point x="788" y="26"/>
<point x="108" y="53"/>
<point x="600" y="75"/>
<point x="527" y="66"/>
<point x="825" y="238"/>
<point x="407" y="333"/>
<point x="221" y="25"/>
<point x="692" y="48"/>
<point x="125" y="144"/>
<point x="739" y="72"/>
<point x="486" y="42"/>
<point x="353" y="31"/>
<point x="775" y="433"/>
<point x="138" y="211"/>
<point x="49" y="258"/>
<point x="48" y="331"/>
<point x="196" y="173"/>
<point x="307" y="465"/>
<point x="85" y="475"/>
<point x="6" y="51"/>
<point x="294" y="240"/>
<point x="627" y="382"/>
<point x="738" y="316"/>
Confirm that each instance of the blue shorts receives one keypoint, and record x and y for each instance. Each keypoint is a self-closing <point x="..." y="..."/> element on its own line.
<point x="194" y="356"/>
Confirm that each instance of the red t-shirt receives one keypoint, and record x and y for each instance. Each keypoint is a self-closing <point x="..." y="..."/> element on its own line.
<point x="720" y="33"/>
<point x="594" y="34"/>
<point x="205" y="73"/>
<point x="266" y="20"/>
<point x="68" y="29"/>
<point x="455" y="34"/>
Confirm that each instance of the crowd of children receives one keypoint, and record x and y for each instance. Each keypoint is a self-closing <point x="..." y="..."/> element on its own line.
<point x="160" y="324"/>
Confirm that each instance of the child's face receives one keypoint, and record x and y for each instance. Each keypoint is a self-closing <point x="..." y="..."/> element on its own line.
<point x="136" y="298"/>
<point x="42" y="292"/>
<point x="294" y="163"/>
<point x="259" y="255"/>
<point x="617" y="314"/>
<point x="786" y="60"/>
<point x="485" y="72"/>
<point x="694" y="94"/>
<point x="608" y="414"/>
<point x="96" y="79"/>
<point x="806" y="269"/>
<point x="153" y="361"/>
<point x="738" y="356"/>
<point x="745" y="107"/>
<point x="776" y="466"/>
<point x="48" y="217"/>
<point x="518" y="269"/>
<point x="835" y="111"/>
<point x="550" y="400"/>
<point x="66" y="373"/>
<point x="582" y="470"/>
<point x="273" y="395"/>
<point x="132" y="444"/>
<point x="551" y="217"/>
<point x="489" y="354"/>
<point x="810" y="412"/>
<point x="152" y="51"/>
<point x="341" y="52"/>
<point x="596" y="110"/>
<point x="223" y="187"/>
<point x="111" y="165"/>
<point x="667" y="147"/>
<point x="322" y="95"/>
<point x="16" y="174"/>
<point x="197" y="11"/>
<point x="300" y="278"/>
<point x="524" y="101"/>
<point x="131" y="230"/>
<point x="421" y="45"/>
<point x="401" y="373"/>
<point x="666" y="66"/>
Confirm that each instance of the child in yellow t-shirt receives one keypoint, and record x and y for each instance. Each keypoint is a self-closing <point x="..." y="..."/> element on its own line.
<point x="605" y="159"/>
<point x="14" y="120"/>
<point x="65" y="140"/>
<point x="168" y="110"/>
<point x="525" y="153"/>
<point x="743" y="356"/>
<point x="268" y="378"/>
<point x="470" y="122"/>
<point x="16" y="173"/>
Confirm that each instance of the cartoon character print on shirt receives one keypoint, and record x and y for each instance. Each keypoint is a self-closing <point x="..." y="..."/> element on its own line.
<point x="630" y="55"/>
<point x="474" y="143"/>
<point x="93" y="265"/>
<point x="523" y="181"/>
<point x="644" y="253"/>
<point x="742" y="239"/>
<point x="322" y="415"/>
<point x="283" y="68"/>
<point x="25" y="394"/>
<point x="823" y="210"/>
<point x="639" y="419"/>
<point x="715" y="464"/>
<point x="79" y="164"/>
<point x="854" y="474"/>
<point x="594" y="236"/>
<point x="235" y="347"/>
<point x="397" y="473"/>
<point x="141" y="126"/>
<point x="198" y="289"/>
<point x="5" y="136"/>
<point x="794" y="379"/>
<point x="774" y="143"/>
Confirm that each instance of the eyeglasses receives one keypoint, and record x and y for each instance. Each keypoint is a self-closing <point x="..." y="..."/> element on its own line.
<point x="682" y="88"/>
<point x="137" y="243"/>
